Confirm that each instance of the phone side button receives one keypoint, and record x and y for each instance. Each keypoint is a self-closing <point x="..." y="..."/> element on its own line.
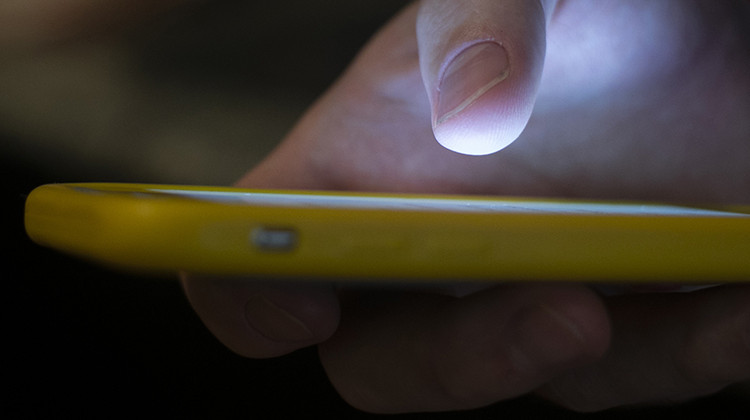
<point x="273" y="239"/>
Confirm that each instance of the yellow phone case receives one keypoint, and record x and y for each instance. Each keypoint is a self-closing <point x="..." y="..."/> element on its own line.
<point x="349" y="236"/>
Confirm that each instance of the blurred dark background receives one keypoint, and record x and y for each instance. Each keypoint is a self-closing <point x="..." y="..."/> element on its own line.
<point x="198" y="95"/>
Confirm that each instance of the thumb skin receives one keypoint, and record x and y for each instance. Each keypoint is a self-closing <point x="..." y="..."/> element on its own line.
<point x="481" y="62"/>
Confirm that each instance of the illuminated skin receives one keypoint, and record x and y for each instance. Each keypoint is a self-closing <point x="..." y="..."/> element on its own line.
<point x="480" y="72"/>
<point x="631" y="99"/>
<point x="616" y="114"/>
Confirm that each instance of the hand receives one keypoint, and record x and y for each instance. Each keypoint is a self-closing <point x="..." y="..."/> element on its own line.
<point x="636" y="99"/>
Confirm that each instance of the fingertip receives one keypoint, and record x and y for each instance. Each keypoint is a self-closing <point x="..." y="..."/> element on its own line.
<point x="425" y="352"/>
<point x="482" y="104"/>
<point x="526" y="336"/>
<point x="482" y="130"/>
<point x="481" y="65"/>
<point x="262" y="319"/>
<point x="669" y="347"/>
<point x="583" y="314"/>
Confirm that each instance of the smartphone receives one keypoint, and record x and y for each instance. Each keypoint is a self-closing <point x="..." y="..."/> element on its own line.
<point x="378" y="237"/>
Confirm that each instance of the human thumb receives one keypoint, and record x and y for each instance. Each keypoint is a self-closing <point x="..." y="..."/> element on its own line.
<point x="481" y="62"/>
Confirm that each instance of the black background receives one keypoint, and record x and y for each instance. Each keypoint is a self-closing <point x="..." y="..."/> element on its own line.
<point x="83" y="341"/>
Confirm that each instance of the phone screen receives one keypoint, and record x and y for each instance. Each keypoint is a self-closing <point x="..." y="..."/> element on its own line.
<point x="444" y="204"/>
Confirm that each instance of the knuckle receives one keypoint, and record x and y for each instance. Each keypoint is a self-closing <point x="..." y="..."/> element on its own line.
<point x="716" y="356"/>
